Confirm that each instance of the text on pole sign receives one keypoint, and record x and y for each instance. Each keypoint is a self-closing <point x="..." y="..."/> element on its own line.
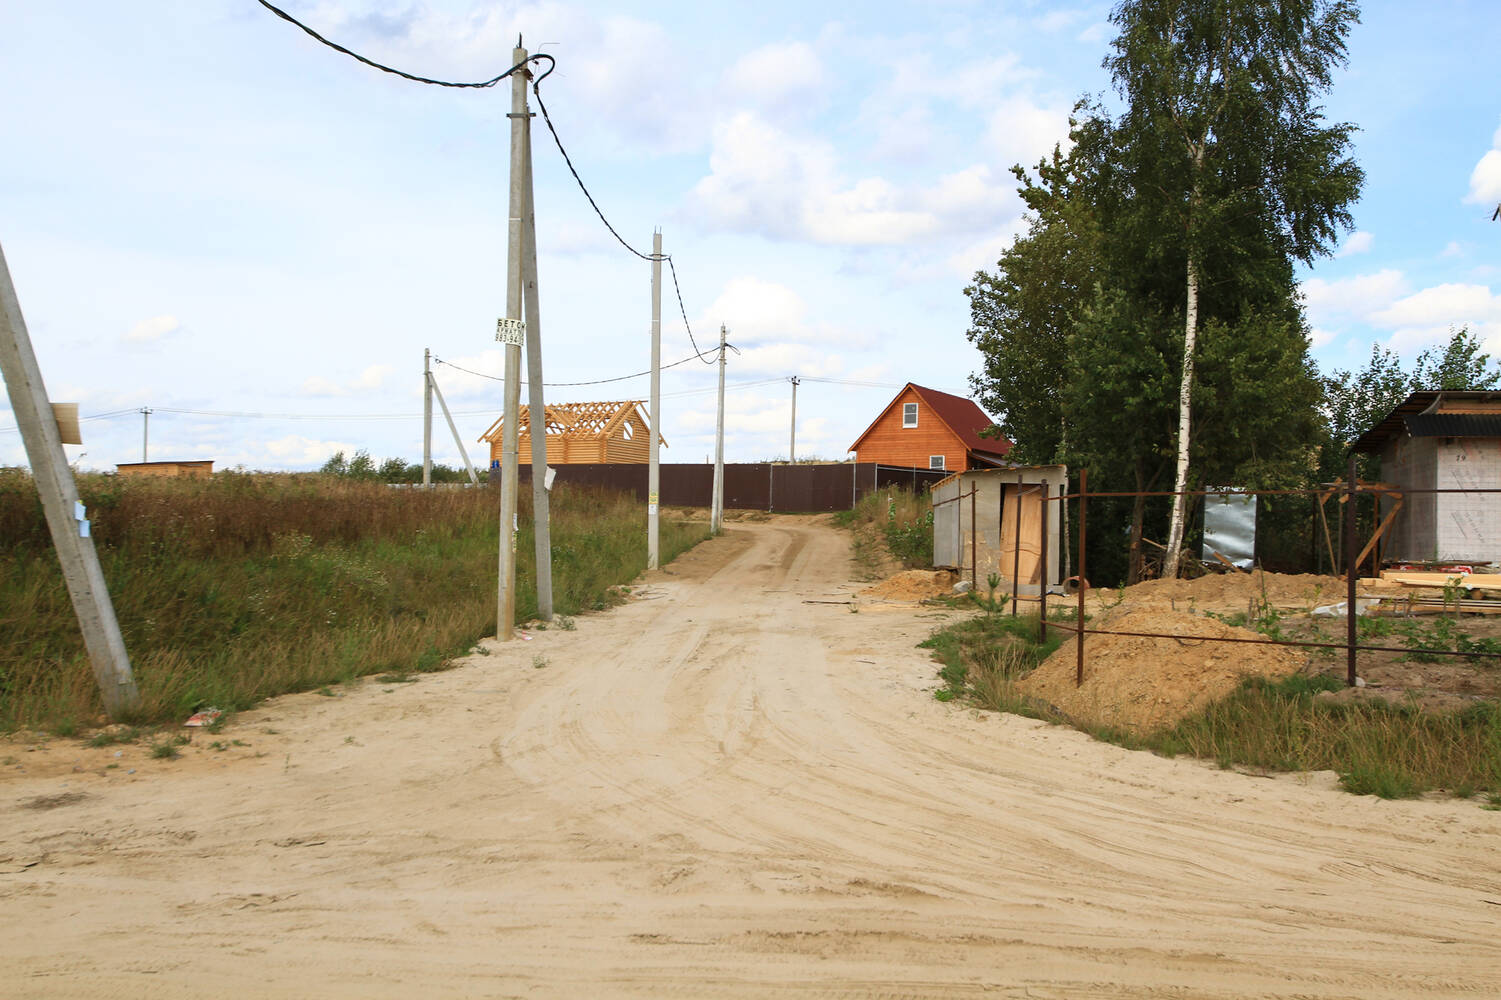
<point x="511" y="332"/>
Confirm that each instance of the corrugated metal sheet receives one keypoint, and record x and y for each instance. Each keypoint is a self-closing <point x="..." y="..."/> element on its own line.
<point x="1454" y="424"/>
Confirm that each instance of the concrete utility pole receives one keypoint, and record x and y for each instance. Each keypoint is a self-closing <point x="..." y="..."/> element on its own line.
<point x="536" y="409"/>
<point x="145" y="428"/>
<point x="505" y="612"/>
<point x="654" y="470"/>
<point x="463" y="452"/>
<point x="716" y="510"/>
<point x="65" y="515"/>
<point x="792" y="441"/>
<point x="427" y="417"/>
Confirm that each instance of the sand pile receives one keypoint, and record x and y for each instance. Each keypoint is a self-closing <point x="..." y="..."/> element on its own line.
<point x="1142" y="684"/>
<point x="913" y="585"/>
<point x="1233" y="592"/>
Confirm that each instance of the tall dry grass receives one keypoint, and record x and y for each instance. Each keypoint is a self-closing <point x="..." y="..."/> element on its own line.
<point x="246" y="586"/>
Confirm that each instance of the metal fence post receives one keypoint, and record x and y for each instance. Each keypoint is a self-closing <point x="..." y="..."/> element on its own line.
<point x="1016" y="554"/>
<point x="1079" y="665"/>
<point x="1351" y="634"/>
<point x="1042" y="591"/>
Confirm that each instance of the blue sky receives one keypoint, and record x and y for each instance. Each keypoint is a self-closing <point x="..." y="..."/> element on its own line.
<point x="204" y="210"/>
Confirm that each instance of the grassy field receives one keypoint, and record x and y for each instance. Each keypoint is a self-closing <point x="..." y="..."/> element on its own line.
<point x="247" y="586"/>
<point x="1393" y="750"/>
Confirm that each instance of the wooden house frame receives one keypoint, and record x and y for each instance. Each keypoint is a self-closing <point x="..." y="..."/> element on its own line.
<point x="593" y="433"/>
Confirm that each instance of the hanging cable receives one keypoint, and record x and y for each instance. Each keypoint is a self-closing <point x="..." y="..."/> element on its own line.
<point x="409" y="76"/>
<point x="565" y="385"/>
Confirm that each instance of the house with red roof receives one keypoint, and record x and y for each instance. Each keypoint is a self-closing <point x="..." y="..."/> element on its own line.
<point x="928" y="429"/>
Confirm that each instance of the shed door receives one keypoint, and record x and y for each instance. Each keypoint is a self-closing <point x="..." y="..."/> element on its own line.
<point x="1025" y="562"/>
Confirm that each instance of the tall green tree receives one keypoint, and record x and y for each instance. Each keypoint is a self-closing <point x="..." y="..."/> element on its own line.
<point x="1224" y="137"/>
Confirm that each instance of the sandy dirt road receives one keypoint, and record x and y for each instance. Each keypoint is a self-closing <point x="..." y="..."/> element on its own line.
<point x="718" y="790"/>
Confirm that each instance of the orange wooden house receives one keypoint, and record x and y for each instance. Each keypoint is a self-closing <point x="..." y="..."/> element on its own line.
<point x="582" y="434"/>
<point x="927" y="429"/>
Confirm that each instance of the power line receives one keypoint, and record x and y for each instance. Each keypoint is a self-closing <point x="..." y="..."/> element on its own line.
<point x="537" y="91"/>
<point x="552" y="63"/>
<point x="565" y="385"/>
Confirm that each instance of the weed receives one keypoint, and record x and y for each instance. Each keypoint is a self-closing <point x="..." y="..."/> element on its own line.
<point x="241" y="587"/>
<point x="396" y="679"/>
<point x="539" y="661"/>
<point x="327" y="692"/>
<point x="109" y="737"/>
<point x="566" y="623"/>
<point x="166" y="750"/>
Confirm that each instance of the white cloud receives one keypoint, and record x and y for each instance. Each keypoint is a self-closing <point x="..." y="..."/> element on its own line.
<point x="1318" y="337"/>
<point x="296" y="450"/>
<point x="784" y="75"/>
<point x="370" y="379"/>
<point x="1020" y="130"/>
<point x="151" y="330"/>
<point x="1485" y="180"/>
<point x="1057" y="20"/>
<point x="764" y="180"/>
<point x="374" y="377"/>
<point x="1356" y="242"/>
<point x="760" y="312"/>
<point x="1359" y="296"/>
<point x="984" y="253"/>
<point x="1453" y="249"/>
<point x="1427" y="316"/>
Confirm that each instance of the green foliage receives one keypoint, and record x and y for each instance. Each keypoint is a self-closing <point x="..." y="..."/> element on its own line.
<point x="1220" y="157"/>
<point x="1354" y="402"/>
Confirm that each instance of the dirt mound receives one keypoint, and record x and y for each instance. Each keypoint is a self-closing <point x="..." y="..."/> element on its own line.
<point x="913" y="585"/>
<point x="1232" y="592"/>
<point x="1143" y="684"/>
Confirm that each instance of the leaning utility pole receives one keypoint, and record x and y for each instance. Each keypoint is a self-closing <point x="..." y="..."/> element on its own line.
<point x="536" y="408"/>
<point x="653" y="469"/>
<point x="427" y="417"/>
<point x="452" y="429"/>
<point x="716" y="510"/>
<point x="792" y="440"/>
<point x="65" y="515"/>
<point x="511" y="331"/>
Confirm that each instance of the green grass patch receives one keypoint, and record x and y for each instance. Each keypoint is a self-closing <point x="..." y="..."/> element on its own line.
<point x="242" y="587"/>
<point x="1392" y="750"/>
<point x="890" y="524"/>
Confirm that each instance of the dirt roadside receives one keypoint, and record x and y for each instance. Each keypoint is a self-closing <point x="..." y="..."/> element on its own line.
<point x="719" y="789"/>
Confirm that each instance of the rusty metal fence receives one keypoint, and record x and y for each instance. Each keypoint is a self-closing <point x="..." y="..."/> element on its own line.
<point x="1351" y="489"/>
<point x="800" y="489"/>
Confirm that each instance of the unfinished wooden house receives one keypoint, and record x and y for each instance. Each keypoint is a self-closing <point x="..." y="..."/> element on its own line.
<point x="582" y="434"/>
<point x="1447" y="441"/>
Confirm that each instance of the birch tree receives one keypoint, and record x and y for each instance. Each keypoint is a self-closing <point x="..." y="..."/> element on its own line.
<point x="1225" y="137"/>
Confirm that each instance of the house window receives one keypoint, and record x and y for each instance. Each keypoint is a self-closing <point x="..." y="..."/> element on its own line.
<point x="935" y="461"/>
<point x="909" y="414"/>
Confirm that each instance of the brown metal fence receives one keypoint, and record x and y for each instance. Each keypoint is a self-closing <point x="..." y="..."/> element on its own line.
<point x="1351" y="490"/>
<point x="803" y="489"/>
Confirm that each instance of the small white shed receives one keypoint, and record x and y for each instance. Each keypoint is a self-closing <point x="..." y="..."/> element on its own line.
<point x="991" y="521"/>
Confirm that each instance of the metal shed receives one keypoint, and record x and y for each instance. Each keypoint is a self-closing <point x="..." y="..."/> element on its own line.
<point x="991" y="521"/>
